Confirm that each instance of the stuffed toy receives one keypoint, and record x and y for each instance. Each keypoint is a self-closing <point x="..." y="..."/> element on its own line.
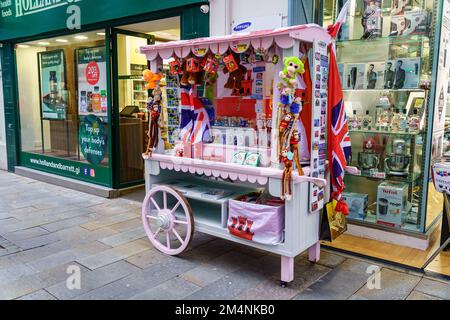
<point x="192" y="72"/>
<point x="295" y="139"/>
<point x="286" y="184"/>
<point x="236" y="70"/>
<point x="153" y="133"/>
<point x="284" y="128"/>
<point x="151" y="78"/>
<point x="293" y="66"/>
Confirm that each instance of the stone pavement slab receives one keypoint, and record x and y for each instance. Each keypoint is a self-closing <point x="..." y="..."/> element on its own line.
<point x="173" y="289"/>
<point x="416" y="295"/>
<point x="124" y="237"/>
<point x="394" y="286"/>
<point x="440" y="289"/>
<point x="91" y="280"/>
<point x="140" y="281"/>
<point x="38" y="295"/>
<point x="114" y="254"/>
<point x="340" y="283"/>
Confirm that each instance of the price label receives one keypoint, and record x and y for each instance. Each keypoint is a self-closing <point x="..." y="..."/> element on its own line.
<point x="92" y="73"/>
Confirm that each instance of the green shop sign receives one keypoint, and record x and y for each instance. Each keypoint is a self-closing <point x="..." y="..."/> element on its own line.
<point x="24" y="18"/>
<point x="67" y="168"/>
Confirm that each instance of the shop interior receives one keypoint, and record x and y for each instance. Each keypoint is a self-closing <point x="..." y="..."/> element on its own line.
<point x="383" y="53"/>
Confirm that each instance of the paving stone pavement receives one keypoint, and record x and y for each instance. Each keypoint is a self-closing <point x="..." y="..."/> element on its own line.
<point x="49" y="234"/>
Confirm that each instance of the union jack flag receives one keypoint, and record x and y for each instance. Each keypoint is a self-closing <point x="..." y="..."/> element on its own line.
<point x="195" y="123"/>
<point x="339" y="145"/>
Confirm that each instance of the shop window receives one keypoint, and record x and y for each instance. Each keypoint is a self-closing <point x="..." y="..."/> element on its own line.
<point x="63" y="102"/>
<point x="383" y="54"/>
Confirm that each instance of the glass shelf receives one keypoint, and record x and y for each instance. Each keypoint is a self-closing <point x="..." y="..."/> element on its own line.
<point x="383" y="90"/>
<point x="394" y="133"/>
<point x="416" y="39"/>
<point x="382" y="176"/>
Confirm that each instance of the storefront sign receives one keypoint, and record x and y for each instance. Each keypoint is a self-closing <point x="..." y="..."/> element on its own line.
<point x="52" y="78"/>
<point x="93" y="139"/>
<point x="92" y="85"/>
<point x="22" y="18"/>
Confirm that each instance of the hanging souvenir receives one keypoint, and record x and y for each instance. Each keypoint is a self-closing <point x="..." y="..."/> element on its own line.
<point x="210" y="66"/>
<point x="175" y="67"/>
<point x="230" y="63"/>
<point x="286" y="158"/>
<point x="192" y="65"/>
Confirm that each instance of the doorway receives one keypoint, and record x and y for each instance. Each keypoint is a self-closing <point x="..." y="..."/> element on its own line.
<point x="131" y="94"/>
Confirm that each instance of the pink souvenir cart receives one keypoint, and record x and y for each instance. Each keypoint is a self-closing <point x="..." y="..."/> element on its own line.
<point x="227" y="155"/>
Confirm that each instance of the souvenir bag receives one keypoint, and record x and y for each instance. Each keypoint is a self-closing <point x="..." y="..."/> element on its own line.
<point x="333" y="222"/>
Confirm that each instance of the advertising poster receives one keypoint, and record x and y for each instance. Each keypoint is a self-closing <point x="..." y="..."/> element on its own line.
<point x="375" y="75"/>
<point x="442" y="79"/>
<point x="371" y="19"/>
<point x="92" y="85"/>
<point x="52" y="85"/>
<point x="402" y="74"/>
<point x="354" y="76"/>
<point x="93" y="139"/>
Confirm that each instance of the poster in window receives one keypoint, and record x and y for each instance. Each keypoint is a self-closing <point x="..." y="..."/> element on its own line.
<point x="92" y="84"/>
<point x="53" y="91"/>
<point x="402" y="74"/>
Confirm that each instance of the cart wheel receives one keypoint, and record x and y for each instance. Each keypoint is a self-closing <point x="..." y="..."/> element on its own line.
<point x="169" y="224"/>
<point x="283" y="284"/>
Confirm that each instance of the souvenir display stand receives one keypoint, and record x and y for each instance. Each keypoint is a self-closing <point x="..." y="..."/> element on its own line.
<point x="222" y="184"/>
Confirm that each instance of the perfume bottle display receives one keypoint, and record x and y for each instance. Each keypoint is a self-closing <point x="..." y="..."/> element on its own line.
<point x="383" y="118"/>
<point x="397" y="162"/>
<point x="414" y="122"/>
<point x="403" y="121"/>
<point x="368" y="159"/>
<point x="395" y="121"/>
<point x="353" y="122"/>
<point x="366" y="122"/>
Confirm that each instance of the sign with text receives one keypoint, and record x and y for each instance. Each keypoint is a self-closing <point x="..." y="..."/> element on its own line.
<point x="92" y="84"/>
<point x="93" y="139"/>
<point x="54" y="97"/>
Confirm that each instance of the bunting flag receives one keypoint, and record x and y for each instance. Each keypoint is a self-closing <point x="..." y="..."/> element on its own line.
<point x="333" y="30"/>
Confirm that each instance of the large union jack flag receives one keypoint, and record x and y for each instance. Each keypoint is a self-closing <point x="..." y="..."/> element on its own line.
<point x="339" y="146"/>
<point x="195" y="122"/>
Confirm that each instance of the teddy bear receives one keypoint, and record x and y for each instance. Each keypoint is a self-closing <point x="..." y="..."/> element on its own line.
<point x="192" y="74"/>
<point x="236" y="72"/>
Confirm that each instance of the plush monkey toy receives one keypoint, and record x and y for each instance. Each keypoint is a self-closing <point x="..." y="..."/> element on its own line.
<point x="292" y="67"/>
<point x="295" y="139"/>
<point x="284" y="128"/>
<point x="286" y="183"/>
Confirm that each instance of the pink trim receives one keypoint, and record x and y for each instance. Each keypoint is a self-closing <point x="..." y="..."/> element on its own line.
<point x="314" y="252"/>
<point x="265" y="38"/>
<point x="287" y="269"/>
<point x="230" y="170"/>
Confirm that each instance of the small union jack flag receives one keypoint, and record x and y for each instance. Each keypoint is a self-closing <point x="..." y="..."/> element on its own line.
<point x="195" y="123"/>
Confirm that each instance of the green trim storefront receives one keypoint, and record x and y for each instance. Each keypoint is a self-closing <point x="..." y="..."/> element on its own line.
<point x="29" y="21"/>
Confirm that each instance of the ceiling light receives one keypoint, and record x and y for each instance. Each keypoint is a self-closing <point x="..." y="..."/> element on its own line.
<point x="100" y="33"/>
<point x="62" y="40"/>
<point x="43" y="43"/>
<point x="23" y="46"/>
<point x="81" y="37"/>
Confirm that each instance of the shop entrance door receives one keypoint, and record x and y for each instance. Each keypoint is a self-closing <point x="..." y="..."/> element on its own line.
<point x="130" y="103"/>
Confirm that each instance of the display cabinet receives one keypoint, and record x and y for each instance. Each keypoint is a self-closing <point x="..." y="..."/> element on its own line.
<point x="384" y="53"/>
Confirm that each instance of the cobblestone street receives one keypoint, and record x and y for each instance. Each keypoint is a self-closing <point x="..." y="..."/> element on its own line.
<point x="44" y="229"/>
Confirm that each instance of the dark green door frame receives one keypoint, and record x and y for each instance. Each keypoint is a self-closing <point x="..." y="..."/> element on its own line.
<point x="12" y="125"/>
<point x="116" y="150"/>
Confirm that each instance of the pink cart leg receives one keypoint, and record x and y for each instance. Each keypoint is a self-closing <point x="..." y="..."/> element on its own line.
<point x="314" y="252"/>
<point x="287" y="270"/>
